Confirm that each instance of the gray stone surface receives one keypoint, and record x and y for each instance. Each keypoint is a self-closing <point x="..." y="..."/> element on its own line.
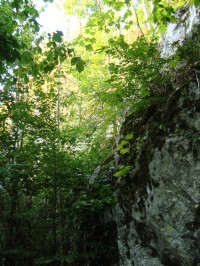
<point x="160" y="224"/>
<point x="177" y="32"/>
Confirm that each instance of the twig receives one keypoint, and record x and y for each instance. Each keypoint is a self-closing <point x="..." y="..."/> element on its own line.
<point x="138" y="23"/>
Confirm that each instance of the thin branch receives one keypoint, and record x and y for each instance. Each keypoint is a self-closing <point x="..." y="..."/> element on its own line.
<point x="138" y="23"/>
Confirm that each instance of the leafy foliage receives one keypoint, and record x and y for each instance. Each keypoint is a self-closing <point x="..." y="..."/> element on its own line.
<point x="123" y="170"/>
<point x="78" y="62"/>
<point x="61" y="106"/>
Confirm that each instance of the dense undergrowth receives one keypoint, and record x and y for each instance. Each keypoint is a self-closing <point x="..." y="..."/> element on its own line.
<point x="61" y="109"/>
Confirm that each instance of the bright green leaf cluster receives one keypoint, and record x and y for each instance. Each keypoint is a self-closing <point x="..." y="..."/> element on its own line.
<point x="123" y="170"/>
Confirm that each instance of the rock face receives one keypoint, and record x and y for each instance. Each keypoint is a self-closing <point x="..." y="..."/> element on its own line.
<point x="158" y="213"/>
<point x="176" y="33"/>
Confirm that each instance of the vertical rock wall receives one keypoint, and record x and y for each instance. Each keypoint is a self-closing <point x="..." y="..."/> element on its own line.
<point x="158" y="210"/>
<point x="158" y="214"/>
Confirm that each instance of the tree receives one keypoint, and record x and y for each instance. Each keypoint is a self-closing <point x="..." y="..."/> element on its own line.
<point x="61" y="107"/>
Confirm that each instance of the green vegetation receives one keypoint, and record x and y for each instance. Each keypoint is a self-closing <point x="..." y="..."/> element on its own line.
<point x="61" y="106"/>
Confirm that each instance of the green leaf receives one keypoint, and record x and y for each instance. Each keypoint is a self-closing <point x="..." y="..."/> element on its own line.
<point x="80" y="65"/>
<point x="89" y="47"/>
<point x="57" y="36"/>
<point x="70" y="51"/>
<point x="74" y="60"/>
<point x="129" y="136"/>
<point x="124" y="170"/>
<point x="50" y="56"/>
<point x="121" y="145"/>
<point x="26" y="57"/>
<point x="124" y="151"/>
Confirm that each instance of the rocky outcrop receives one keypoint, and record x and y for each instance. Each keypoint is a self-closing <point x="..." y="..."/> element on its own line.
<point x="156" y="220"/>
<point x="158" y="212"/>
<point x="187" y="18"/>
<point x="156" y="176"/>
<point x="158" y="209"/>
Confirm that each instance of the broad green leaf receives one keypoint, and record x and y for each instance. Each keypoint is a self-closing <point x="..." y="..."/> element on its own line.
<point x="58" y="36"/>
<point x="74" y="60"/>
<point x="80" y="65"/>
<point x="129" y="136"/>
